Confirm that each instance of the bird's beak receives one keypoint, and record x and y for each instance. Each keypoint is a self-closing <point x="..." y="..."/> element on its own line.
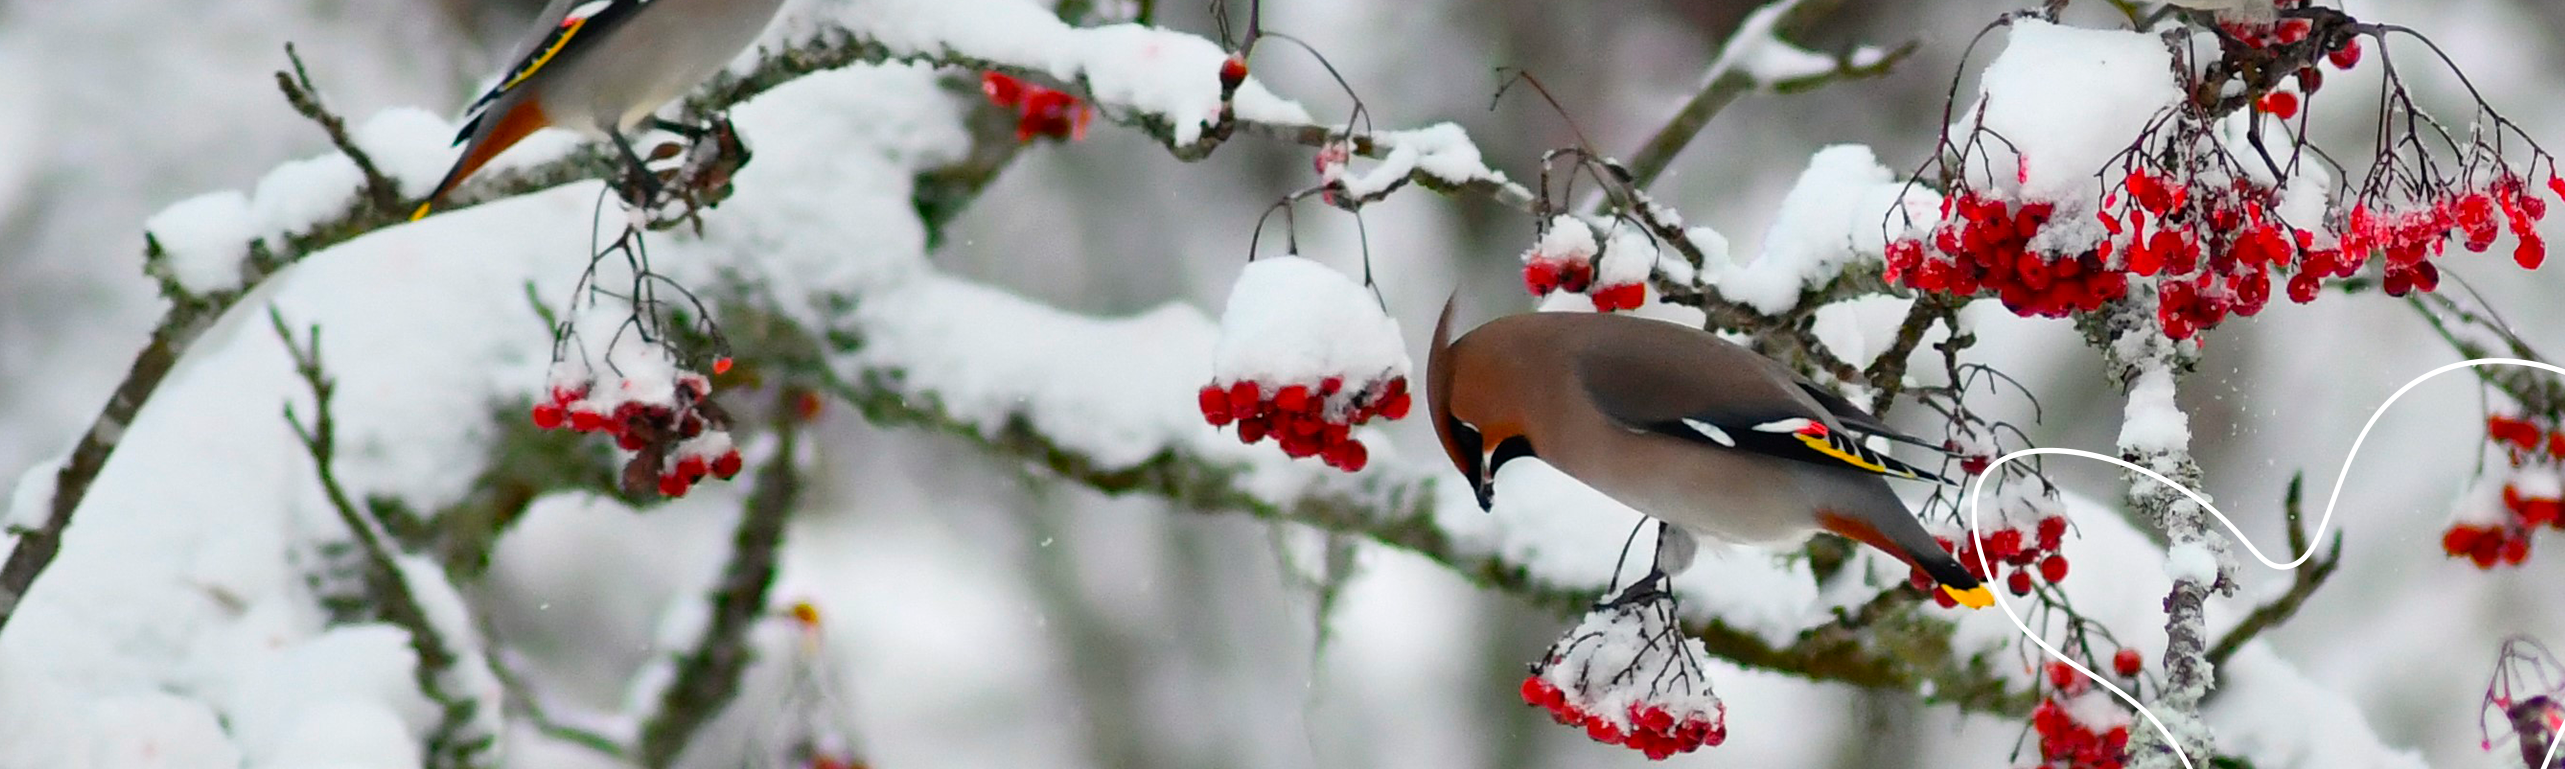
<point x="1485" y="483"/>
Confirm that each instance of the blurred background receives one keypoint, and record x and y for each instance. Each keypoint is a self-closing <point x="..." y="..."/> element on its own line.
<point x="981" y="615"/>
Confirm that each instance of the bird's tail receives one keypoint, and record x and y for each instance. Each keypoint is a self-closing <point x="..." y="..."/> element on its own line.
<point x="487" y="138"/>
<point x="1907" y="540"/>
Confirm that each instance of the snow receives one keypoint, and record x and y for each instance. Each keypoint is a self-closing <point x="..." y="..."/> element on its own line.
<point x="1443" y="151"/>
<point x="1391" y="171"/>
<point x="1832" y="219"/>
<point x="2065" y="100"/>
<point x="2154" y="424"/>
<point x="1630" y="257"/>
<point x="1291" y="320"/>
<point x="1756" y="49"/>
<point x="2191" y="562"/>
<point x="204" y="239"/>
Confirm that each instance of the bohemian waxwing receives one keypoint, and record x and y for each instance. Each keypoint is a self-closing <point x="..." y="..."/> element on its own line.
<point x="601" y="67"/>
<point x="1678" y="424"/>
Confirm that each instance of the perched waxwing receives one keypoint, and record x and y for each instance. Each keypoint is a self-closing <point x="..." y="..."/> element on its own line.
<point x="601" y="67"/>
<point x="1696" y="432"/>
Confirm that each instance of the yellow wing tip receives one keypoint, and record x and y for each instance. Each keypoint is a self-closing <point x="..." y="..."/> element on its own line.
<point x="422" y="212"/>
<point x="1975" y="598"/>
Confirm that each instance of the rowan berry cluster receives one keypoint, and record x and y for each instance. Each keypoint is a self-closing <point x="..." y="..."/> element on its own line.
<point x="2533" y="496"/>
<point x="1306" y="419"/>
<point x="1628" y="677"/>
<point x="1039" y="111"/>
<point x="1566" y="258"/>
<point x="677" y="433"/>
<point x="2080" y="728"/>
<point x="2028" y="551"/>
<point x="1984" y="244"/>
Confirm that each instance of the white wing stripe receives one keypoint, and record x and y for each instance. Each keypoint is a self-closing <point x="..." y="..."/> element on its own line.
<point x="1712" y="432"/>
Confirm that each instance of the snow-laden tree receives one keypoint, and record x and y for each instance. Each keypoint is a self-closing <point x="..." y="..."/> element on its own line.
<point x="303" y="527"/>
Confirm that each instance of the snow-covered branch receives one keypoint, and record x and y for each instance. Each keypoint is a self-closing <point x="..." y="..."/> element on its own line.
<point x="2155" y="434"/>
<point x="1759" y="56"/>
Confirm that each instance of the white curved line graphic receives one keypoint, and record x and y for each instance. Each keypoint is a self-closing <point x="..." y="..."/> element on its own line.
<point x="1976" y="493"/>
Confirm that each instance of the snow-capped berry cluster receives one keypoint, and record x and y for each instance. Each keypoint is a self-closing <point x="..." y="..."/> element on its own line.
<point x="1039" y="111"/>
<point x="1621" y="676"/>
<point x="665" y="416"/>
<point x="2028" y="551"/>
<point x="1305" y="356"/>
<point x="2080" y="727"/>
<point x="1306" y="420"/>
<point x="2495" y="526"/>
<point x="1567" y="258"/>
<point x="1985" y="244"/>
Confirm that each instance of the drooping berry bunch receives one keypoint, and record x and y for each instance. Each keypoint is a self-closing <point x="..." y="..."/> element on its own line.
<point x="1305" y="356"/>
<point x="1567" y="258"/>
<point x="1039" y="111"/>
<point x="2080" y="727"/>
<point x="2488" y="532"/>
<point x="1305" y="419"/>
<point x="677" y="433"/>
<point x="1628" y="676"/>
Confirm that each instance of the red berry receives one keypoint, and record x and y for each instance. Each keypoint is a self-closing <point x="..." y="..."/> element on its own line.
<point x="1251" y="430"/>
<point x="2019" y="583"/>
<point x="2053" y="568"/>
<point x="2347" y="56"/>
<point x="629" y="441"/>
<point x="2052" y="532"/>
<point x="1244" y="399"/>
<point x="1292" y="399"/>
<point x="549" y="415"/>
<point x="1233" y="71"/>
<point x="2460" y="540"/>
<point x="726" y="465"/>
<point x="1001" y="89"/>
<point x="1532" y="687"/>
<point x="2127" y="662"/>
<point x="692" y="468"/>
<point x="1396" y="407"/>
<point x="2281" y="104"/>
<point x="721" y="365"/>
<point x="1215" y="405"/>
<point x="1350" y="456"/>
<point x="2516" y="549"/>
<point x="2531" y="253"/>
<point x="2062" y="675"/>
<point x="586" y="421"/>
<point x="672" y="485"/>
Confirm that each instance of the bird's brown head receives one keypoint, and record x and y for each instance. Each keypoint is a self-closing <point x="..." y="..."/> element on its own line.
<point x="1480" y="426"/>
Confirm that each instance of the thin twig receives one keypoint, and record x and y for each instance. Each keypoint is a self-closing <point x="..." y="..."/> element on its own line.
<point x="306" y="98"/>
<point x="2304" y="582"/>
<point x="1725" y="85"/>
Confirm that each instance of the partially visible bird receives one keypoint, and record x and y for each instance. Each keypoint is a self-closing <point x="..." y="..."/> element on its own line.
<point x="601" y="67"/>
<point x="1692" y="430"/>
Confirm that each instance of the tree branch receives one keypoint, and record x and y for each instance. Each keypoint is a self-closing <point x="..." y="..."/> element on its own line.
<point x="708" y="676"/>
<point x="2304" y="582"/>
<point x="1727" y="80"/>
<point x="454" y="743"/>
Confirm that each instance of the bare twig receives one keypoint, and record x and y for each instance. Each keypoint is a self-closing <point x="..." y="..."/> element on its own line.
<point x="2304" y="582"/>
<point x="306" y="98"/>
<point x="1728" y="82"/>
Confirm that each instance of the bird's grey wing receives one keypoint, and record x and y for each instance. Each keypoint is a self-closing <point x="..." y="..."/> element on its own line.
<point x="566" y="25"/>
<point x="1857" y="419"/>
<point x="1703" y="391"/>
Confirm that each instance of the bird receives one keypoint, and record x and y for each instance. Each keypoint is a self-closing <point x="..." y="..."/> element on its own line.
<point x="1707" y="437"/>
<point x="602" y="67"/>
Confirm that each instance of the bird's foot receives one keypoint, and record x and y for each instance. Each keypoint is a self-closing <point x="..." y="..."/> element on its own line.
<point x="1648" y="589"/>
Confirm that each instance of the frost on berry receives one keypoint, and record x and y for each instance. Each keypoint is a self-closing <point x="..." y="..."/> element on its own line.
<point x="1626" y="675"/>
<point x="1305" y="356"/>
<point x="1563" y="258"/>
